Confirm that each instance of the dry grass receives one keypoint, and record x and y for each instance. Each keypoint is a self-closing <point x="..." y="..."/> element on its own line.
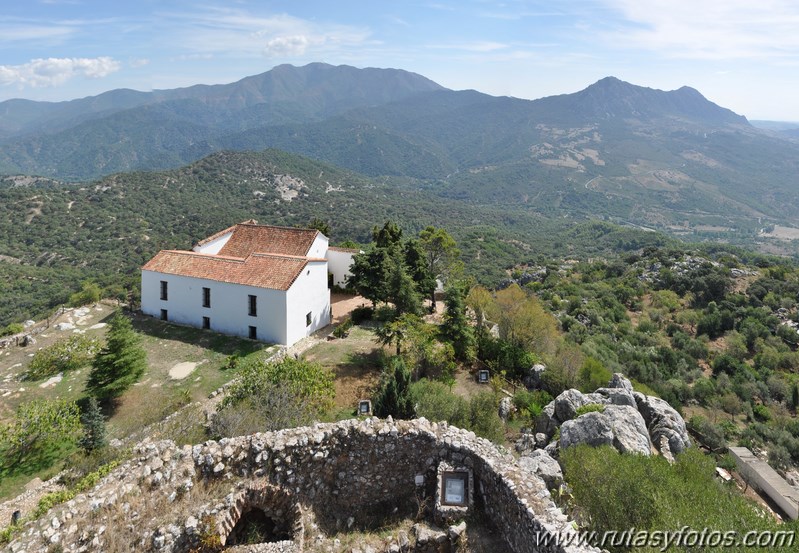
<point x="354" y="361"/>
<point x="126" y="519"/>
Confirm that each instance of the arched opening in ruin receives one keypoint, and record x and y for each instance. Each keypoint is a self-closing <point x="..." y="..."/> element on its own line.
<point x="255" y="526"/>
<point x="262" y="514"/>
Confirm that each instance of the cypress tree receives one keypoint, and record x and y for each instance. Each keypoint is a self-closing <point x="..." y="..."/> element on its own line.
<point x="394" y="397"/>
<point x="456" y="327"/>
<point x="119" y="364"/>
<point x="94" y="434"/>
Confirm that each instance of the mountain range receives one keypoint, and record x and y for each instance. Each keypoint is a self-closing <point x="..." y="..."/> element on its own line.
<point x="667" y="160"/>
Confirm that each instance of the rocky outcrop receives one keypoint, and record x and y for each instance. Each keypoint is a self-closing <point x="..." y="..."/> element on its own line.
<point x="539" y="462"/>
<point x="663" y="422"/>
<point x="630" y="421"/>
<point x="567" y="403"/>
<point x="533" y="376"/>
<point x="629" y="429"/>
<point x="591" y="429"/>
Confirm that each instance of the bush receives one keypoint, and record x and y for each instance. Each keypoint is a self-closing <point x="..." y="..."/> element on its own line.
<point x="529" y="403"/>
<point x="761" y="413"/>
<point x="89" y="293"/>
<point x="13" y="328"/>
<point x="484" y="419"/>
<point x="590" y="408"/>
<point x="309" y="383"/>
<point x="361" y="314"/>
<point x="616" y="491"/>
<point x="343" y="328"/>
<point x="64" y="355"/>
<point x="435" y="402"/>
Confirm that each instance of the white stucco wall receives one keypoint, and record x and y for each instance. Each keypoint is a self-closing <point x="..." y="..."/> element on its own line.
<point x="214" y="245"/>
<point x="338" y="264"/>
<point x="308" y="294"/>
<point x="229" y="306"/>
<point x="319" y="247"/>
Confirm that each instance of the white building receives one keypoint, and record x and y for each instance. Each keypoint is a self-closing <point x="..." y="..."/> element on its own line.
<point x="257" y="281"/>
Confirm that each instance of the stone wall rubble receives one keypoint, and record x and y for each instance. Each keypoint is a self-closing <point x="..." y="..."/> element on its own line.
<point x="350" y="474"/>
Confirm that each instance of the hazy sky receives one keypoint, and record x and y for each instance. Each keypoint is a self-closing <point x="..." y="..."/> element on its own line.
<point x="741" y="54"/>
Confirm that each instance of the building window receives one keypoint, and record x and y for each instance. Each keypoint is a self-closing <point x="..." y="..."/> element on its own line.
<point x="253" y="305"/>
<point x="253" y="333"/>
<point x="206" y="297"/>
<point x="455" y="489"/>
<point x="164" y="315"/>
<point x="206" y="323"/>
<point x="308" y="319"/>
<point x="163" y="290"/>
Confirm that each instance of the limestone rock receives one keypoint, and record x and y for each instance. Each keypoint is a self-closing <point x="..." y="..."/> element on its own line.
<point x="567" y="403"/>
<point x="629" y="429"/>
<point x="592" y="428"/>
<point x="505" y="408"/>
<point x="663" y="421"/>
<point x="546" y="423"/>
<point x="541" y="463"/>
<point x="618" y="380"/>
<point x="532" y="376"/>
<point x="618" y="396"/>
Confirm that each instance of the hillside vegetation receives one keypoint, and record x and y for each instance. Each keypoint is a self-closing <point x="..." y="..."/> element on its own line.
<point x="54" y="236"/>
<point x="669" y="160"/>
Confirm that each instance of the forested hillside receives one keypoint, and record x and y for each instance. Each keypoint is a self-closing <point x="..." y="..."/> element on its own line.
<point x="56" y="235"/>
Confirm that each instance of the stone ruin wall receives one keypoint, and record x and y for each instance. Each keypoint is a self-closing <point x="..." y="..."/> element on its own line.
<point x="347" y="473"/>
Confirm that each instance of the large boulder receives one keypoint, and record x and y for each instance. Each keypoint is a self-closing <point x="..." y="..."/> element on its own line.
<point x="617" y="396"/>
<point x="663" y="422"/>
<point x="620" y="381"/>
<point x="542" y="464"/>
<point x="568" y="402"/>
<point x="532" y="376"/>
<point x="630" y="434"/>
<point x="546" y="423"/>
<point x="505" y="408"/>
<point x="592" y="429"/>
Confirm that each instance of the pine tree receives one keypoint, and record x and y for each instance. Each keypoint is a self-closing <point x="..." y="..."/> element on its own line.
<point x="795" y="397"/>
<point x="402" y="289"/>
<point x="456" y="327"/>
<point x="94" y="434"/>
<point x="119" y="364"/>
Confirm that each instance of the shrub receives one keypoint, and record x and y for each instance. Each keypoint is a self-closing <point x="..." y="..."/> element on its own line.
<point x="590" y="408"/>
<point x="531" y="403"/>
<point x="309" y="382"/>
<point x="64" y="355"/>
<point x="13" y="328"/>
<point x="761" y="413"/>
<point x="89" y="293"/>
<point x="361" y="314"/>
<point x="484" y="419"/>
<point x="616" y="491"/>
<point x="435" y="402"/>
<point x="343" y="328"/>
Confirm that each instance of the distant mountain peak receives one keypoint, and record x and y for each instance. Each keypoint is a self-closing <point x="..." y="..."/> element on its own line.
<point x="611" y="98"/>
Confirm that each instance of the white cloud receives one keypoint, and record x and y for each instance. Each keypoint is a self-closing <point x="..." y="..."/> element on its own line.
<point x="54" y="71"/>
<point x="710" y="29"/>
<point x="139" y="62"/>
<point x="233" y="32"/>
<point x="286" y="46"/>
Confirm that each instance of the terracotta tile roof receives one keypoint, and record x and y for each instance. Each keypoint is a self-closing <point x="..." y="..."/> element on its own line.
<point x="249" y="238"/>
<point x="345" y="250"/>
<point x="277" y="272"/>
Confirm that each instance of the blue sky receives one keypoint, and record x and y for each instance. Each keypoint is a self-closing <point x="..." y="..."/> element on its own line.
<point x="742" y="54"/>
